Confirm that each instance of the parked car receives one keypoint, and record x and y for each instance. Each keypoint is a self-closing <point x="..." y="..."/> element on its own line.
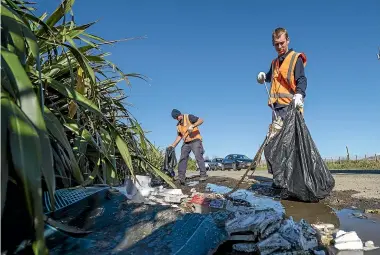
<point x="207" y="164"/>
<point x="216" y="164"/>
<point x="236" y="162"/>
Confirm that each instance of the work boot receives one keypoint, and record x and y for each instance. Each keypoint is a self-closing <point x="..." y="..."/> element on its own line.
<point x="181" y="180"/>
<point x="203" y="178"/>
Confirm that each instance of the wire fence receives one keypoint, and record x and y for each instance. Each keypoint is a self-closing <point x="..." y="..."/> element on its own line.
<point x="374" y="157"/>
<point x="341" y="159"/>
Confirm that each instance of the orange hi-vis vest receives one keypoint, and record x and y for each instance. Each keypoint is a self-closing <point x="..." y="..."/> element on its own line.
<point x="283" y="85"/>
<point x="182" y="130"/>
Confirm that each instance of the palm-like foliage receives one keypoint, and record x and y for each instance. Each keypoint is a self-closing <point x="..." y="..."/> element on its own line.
<point x="64" y="119"/>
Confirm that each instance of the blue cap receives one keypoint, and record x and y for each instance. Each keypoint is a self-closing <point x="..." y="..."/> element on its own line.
<point x="175" y="113"/>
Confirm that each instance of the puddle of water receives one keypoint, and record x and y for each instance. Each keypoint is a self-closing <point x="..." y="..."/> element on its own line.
<point x="311" y="212"/>
<point x="367" y="229"/>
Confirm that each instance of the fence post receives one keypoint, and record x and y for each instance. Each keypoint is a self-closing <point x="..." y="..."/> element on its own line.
<point x="375" y="157"/>
<point x="339" y="160"/>
<point x="348" y="154"/>
<point x="356" y="158"/>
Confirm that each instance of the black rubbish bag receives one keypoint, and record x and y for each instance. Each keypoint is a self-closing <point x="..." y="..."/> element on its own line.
<point x="168" y="166"/>
<point x="294" y="160"/>
<point x="170" y="162"/>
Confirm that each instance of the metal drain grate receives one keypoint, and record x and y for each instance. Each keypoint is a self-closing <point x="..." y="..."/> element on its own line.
<point x="66" y="197"/>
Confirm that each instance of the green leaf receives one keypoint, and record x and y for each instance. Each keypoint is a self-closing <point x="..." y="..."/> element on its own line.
<point x="97" y="38"/>
<point x="108" y="150"/>
<point x="83" y="62"/>
<point x="20" y="30"/>
<point x="124" y="151"/>
<point x="4" y="153"/>
<point x="26" y="157"/>
<point x="142" y="136"/>
<point x="44" y="27"/>
<point x="60" y="167"/>
<point x="93" y="174"/>
<point x="57" y="131"/>
<point x="74" y="95"/>
<point x="108" y="146"/>
<point x="29" y="104"/>
<point x="57" y="15"/>
<point x="84" y="133"/>
<point x="79" y="30"/>
<point x="13" y="25"/>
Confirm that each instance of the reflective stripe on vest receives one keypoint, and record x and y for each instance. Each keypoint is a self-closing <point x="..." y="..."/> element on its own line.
<point x="283" y="85"/>
<point x="182" y="129"/>
<point x="285" y="95"/>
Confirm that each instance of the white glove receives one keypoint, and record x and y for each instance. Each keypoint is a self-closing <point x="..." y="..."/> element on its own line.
<point x="190" y="129"/>
<point x="298" y="100"/>
<point x="261" y="77"/>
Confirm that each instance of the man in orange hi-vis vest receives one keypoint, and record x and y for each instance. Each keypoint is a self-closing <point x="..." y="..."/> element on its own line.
<point x="188" y="131"/>
<point x="286" y="74"/>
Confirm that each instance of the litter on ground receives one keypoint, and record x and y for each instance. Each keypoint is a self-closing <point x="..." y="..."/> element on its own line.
<point x="251" y="223"/>
<point x="140" y="190"/>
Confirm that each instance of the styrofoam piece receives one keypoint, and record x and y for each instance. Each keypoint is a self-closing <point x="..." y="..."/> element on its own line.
<point x="353" y="245"/>
<point x="348" y="237"/>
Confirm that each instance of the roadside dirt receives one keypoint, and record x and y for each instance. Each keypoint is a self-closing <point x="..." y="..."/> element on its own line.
<point x="346" y="199"/>
<point x="359" y="191"/>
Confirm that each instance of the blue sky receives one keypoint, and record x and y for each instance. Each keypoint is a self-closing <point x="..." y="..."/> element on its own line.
<point x="203" y="58"/>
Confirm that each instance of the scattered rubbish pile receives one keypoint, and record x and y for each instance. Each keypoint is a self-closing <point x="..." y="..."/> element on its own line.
<point x="248" y="223"/>
<point x="303" y="175"/>
<point x="258" y="224"/>
<point x="140" y="191"/>
<point x="341" y="240"/>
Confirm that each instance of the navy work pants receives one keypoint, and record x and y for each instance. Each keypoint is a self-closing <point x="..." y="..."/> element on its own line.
<point x="196" y="147"/>
<point x="280" y="112"/>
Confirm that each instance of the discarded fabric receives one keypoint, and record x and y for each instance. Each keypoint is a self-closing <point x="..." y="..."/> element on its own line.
<point x="217" y="203"/>
<point x="268" y="232"/>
